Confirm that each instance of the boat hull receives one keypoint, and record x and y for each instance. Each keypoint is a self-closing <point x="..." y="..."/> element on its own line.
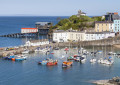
<point x="51" y="63"/>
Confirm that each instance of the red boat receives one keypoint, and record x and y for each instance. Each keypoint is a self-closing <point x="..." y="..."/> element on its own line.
<point x="52" y="53"/>
<point x="66" y="49"/>
<point x="75" y="56"/>
<point x="52" y="63"/>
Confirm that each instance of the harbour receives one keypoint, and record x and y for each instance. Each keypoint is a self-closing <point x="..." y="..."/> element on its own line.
<point x="28" y="71"/>
<point x="59" y="42"/>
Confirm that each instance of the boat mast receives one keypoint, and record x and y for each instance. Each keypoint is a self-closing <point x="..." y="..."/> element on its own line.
<point x="93" y="44"/>
<point x="105" y="48"/>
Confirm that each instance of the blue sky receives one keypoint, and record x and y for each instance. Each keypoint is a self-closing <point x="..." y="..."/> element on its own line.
<point x="57" y="7"/>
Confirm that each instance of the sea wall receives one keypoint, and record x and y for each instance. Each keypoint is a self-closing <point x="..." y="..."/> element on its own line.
<point x="108" y="42"/>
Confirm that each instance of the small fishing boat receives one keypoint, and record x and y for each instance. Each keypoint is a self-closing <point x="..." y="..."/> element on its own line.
<point x="75" y="55"/>
<point x="93" y="60"/>
<point x="106" y="61"/>
<point x="56" y="48"/>
<point x="70" y="58"/>
<point x="83" y="58"/>
<point x="110" y="61"/>
<point x="99" y="52"/>
<point x="100" y="60"/>
<point x="66" y="49"/>
<point x="77" y="58"/>
<point x="25" y="52"/>
<point x="44" y="62"/>
<point x="67" y="63"/>
<point x="13" y="59"/>
<point x="5" y="57"/>
<point x="24" y="57"/>
<point x="38" y="49"/>
<point x="52" y="62"/>
<point x="20" y="57"/>
<point x="63" y="56"/>
<point x="10" y="57"/>
<point x="51" y="53"/>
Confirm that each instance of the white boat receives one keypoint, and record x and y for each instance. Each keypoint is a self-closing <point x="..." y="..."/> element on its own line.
<point x="106" y="61"/>
<point x="100" y="60"/>
<point x="77" y="59"/>
<point x="39" y="50"/>
<point x="25" y="52"/>
<point x="83" y="59"/>
<point x="23" y="56"/>
<point x="93" y="60"/>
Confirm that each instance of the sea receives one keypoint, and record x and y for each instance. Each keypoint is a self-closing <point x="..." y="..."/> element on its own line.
<point x="28" y="72"/>
<point x="13" y="24"/>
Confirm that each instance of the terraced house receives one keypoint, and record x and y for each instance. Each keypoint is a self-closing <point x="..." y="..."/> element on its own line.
<point x="116" y="26"/>
<point x="104" y="26"/>
<point x="66" y="36"/>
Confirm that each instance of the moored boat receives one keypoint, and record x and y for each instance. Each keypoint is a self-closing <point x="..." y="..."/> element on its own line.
<point x="20" y="57"/>
<point x="52" y="62"/>
<point x="25" y="52"/>
<point x="56" y="48"/>
<point x="10" y="57"/>
<point x="70" y="58"/>
<point x="93" y="60"/>
<point x="66" y="49"/>
<point x="83" y="58"/>
<point x="5" y="57"/>
<point x="77" y="58"/>
<point x="44" y="62"/>
<point x="67" y="63"/>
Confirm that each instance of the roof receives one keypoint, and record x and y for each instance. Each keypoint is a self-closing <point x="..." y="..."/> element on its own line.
<point x="83" y="13"/>
<point x="28" y="28"/>
<point x="42" y="23"/>
<point x="103" y="22"/>
<point x="106" y="32"/>
<point x="62" y="31"/>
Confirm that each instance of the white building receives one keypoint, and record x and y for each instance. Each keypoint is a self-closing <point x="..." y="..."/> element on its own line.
<point x="66" y="36"/>
<point x="30" y="43"/>
<point x="80" y="13"/>
<point x="89" y="36"/>
<point x="29" y="30"/>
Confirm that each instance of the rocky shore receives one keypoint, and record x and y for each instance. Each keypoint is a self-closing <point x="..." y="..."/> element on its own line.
<point x="113" y="81"/>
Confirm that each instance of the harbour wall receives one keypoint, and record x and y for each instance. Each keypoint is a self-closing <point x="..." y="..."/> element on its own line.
<point x="108" y="42"/>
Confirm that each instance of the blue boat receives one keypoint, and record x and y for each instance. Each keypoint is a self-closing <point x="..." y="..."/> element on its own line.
<point x="20" y="58"/>
<point x="44" y="62"/>
<point x="5" y="57"/>
<point x="100" y="51"/>
<point x="10" y="57"/>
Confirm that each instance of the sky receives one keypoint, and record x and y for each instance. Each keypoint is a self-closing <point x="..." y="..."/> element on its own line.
<point x="57" y="7"/>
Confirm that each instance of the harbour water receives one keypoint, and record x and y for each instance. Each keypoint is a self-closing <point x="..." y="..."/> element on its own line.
<point x="29" y="72"/>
